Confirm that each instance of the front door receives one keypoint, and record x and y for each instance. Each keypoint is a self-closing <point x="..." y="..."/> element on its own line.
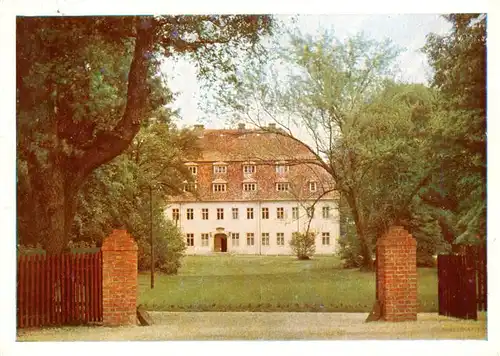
<point x="220" y="243"/>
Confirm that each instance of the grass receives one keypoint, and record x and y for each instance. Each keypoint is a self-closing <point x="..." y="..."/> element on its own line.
<point x="271" y="283"/>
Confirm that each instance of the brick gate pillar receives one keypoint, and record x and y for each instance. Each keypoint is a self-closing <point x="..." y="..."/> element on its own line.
<point x="119" y="279"/>
<point x="397" y="275"/>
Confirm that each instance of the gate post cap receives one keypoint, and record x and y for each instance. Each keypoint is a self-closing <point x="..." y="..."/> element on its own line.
<point x="119" y="240"/>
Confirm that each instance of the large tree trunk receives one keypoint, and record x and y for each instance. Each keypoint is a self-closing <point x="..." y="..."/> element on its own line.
<point x="54" y="197"/>
<point x="51" y="199"/>
<point x="363" y="237"/>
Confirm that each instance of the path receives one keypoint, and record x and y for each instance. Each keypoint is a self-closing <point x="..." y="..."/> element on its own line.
<point x="269" y="326"/>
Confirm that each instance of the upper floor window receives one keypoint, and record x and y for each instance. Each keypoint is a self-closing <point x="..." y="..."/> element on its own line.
<point x="249" y="213"/>
<point x="282" y="187"/>
<point x="281" y="169"/>
<point x="249" y="169"/>
<point x="220" y="187"/>
<point x="190" y="214"/>
<point x="313" y="186"/>
<point x="326" y="212"/>
<point x="280" y="213"/>
<point x="310" y="212"/>
<point x="175" y="214"/>
<point x="204" y="214"/>
<point x="193" y="170"/>
<point x="220" y="213"/>
<point x="249" y="187"/>
<point x="265" y="213"/>
<point x="295" y="213"/>
<point x="235" y="213"/>
<point x="220" y="169"/>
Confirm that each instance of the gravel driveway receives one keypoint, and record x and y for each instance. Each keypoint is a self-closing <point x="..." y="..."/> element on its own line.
<point x="268" y="326"/>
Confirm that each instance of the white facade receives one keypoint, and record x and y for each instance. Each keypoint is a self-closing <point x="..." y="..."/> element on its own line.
<point x="325" y="224"/>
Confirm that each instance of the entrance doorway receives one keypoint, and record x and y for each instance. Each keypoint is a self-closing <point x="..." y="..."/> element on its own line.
<point x="220" y="243"/>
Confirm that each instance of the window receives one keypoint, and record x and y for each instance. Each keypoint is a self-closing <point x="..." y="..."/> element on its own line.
<point x="295" y="213"/>
<point x="280" y="213"/>
<point x="265" y="213"/>
<point x="190" y="214"/>
<point x="220" y="187"/>
<point x="190" y="239"/>
<point x="220" y="169"/>
<point x="281" y="169"/>
<point x="325" y="238"/>
<point x="326" y="212"/>
<point x="204" y="214"/>
<point x="220" y="213"/>
<point x="235" y="213"/>
<point x="310" y="212"/>
<point x="250" y="239"/>
<point x="282" y="187"/>
<point x="204" y="239"/>
<point x="313" y="186"/>
<point x="175" y="214"/>
<point x="249" y="187"/>
<point x="265" y="239"/>
<point x="249" y="213"/>
<point x="235" y="238"/>
<point x="248" y="169"/>
<point x="190" y="187"/>
<point x="280" y="239"/>
<point x="193" y="170"/>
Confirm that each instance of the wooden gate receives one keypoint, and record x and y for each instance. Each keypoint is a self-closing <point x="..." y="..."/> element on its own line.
<point x="462" y="283"/>
<point x="59" y="289"/>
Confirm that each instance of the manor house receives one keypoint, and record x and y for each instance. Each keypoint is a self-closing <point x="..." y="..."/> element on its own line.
<point x="251" y="190"/>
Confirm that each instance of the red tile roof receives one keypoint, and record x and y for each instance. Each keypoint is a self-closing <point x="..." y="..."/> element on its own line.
<point x="263" y="149"/>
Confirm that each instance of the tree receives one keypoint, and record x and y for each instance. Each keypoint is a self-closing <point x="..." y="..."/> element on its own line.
<point x="338" y="99"/>
<point x="117" y="194"/>
<point x="457" y="191"/>
<point x="85" y="84"/>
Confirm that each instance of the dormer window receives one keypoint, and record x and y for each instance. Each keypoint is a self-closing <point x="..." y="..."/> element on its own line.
<point x="220" y="169"/>
<point x="282" y="169"/>
<point x="249" y="169"/>
<point x="193" y="170"/>
<point x="219" y="187"/>
<point x="249" y="187"/>
<point x="313" y="186"/>
<point x="282" y="186"/>
<point x="190" y="186"/>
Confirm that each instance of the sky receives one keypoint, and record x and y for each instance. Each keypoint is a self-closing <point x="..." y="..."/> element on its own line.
<point x="407" y="31"/>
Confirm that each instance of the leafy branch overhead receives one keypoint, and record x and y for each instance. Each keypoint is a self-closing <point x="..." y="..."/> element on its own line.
<point x="85" y="85"/>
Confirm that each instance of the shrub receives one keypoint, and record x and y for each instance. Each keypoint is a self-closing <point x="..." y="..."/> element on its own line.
<point x="169" y="249"/>
<point x="303" y="245"/>
<point x="350" y="250"/>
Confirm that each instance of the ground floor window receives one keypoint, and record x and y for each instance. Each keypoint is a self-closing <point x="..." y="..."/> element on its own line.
<point x="235" y="238"/>
<point x="204" y="239"/>
<point x="325" y="238"/>
<point x="265" y="239"/>
<point x="190" y="239"/>
<point x="280" y="239"/>
<point x="250" y="239"/>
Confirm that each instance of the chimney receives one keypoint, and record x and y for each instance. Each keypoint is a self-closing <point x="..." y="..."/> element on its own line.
<point x="272" y="126"/>
<point x="198" y="130"/>
<point x="241" y="126"/>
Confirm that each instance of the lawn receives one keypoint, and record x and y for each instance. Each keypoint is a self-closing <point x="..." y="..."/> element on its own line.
<point x="271" y="283"/>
